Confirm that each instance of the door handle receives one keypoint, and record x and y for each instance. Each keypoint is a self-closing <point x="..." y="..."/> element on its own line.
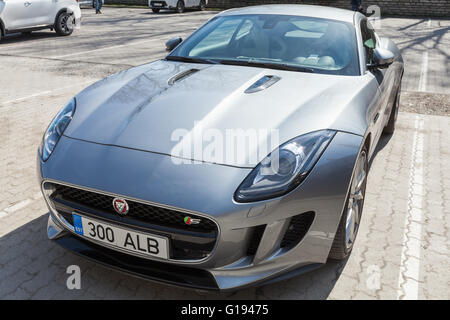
<point x="376" y="117"/>
<point x="27" y="4"/>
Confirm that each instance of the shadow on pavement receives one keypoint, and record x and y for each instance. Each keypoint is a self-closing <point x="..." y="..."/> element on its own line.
<point x="19" y="37"/>
<point x="33" y="267"/>
<point x="384" y="140"/>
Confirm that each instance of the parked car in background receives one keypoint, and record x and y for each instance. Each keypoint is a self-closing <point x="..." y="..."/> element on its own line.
<point x="177" y="5"/>
<point x="30" y="15"/>
<point x="87" y="3"/>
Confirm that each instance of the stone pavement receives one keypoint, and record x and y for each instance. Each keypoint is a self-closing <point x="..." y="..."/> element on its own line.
<point x="402" y="250"/>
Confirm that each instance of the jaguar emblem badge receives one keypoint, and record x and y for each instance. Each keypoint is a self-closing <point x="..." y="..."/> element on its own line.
<point x="121" y="206"/>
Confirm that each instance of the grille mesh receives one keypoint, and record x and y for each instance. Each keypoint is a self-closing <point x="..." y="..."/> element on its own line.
<point x="297" y="229"/>
<point x="139" y="211"/>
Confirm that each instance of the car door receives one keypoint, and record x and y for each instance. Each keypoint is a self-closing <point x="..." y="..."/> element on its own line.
<point x="15" y="14"/>
<point x="376" y="110"/>
<point x="22" y="14"/>
<point x="41" y="12"/>
<point x="388" y="77"/>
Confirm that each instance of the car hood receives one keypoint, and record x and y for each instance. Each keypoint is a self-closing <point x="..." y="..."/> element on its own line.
<point x="194" y="111"/>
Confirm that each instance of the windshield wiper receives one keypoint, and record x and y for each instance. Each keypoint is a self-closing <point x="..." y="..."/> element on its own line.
<point x="191" y="59"/>
<point x="269" y="65"/>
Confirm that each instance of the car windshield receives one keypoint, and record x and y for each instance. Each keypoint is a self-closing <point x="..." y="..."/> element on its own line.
<point x="284" y="42"/>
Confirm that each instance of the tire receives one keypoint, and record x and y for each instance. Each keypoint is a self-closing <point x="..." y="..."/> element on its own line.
<point x="343" y="242"/>
<point x="180" y="6"/>
<point x="155" y="10"/>
<point x="390" y="126"/>
<point x="61" y="25"/>
<point x="202" y="5"/>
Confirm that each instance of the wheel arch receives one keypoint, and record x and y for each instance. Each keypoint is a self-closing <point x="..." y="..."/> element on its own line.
<point x="57" y="15"/>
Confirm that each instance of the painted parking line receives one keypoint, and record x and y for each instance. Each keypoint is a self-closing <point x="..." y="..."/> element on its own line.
<point x="104" y="48"/>
<point x="19" y="205"/>
<point x="423" y="73"/>
<point x="408" y="283"/>
<point x="47" y="92"/>
<point x="424" y="69"/>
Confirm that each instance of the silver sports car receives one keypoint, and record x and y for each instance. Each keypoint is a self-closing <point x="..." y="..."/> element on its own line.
<point x="238" y="159"/>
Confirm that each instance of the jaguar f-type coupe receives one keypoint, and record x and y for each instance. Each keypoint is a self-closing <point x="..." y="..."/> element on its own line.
<point x="238" y="159"/>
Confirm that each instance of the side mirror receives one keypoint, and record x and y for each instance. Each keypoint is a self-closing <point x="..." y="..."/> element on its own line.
<point x="172" y="43"/>
<point x="382" y="58"/>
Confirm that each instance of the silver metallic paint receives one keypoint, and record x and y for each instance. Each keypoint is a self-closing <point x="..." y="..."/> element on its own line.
<point x="118" y="143"/>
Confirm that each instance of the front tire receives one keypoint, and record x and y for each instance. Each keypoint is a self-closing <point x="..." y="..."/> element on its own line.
<point x="390" y="127"/>
<point x="351" y="217"/>
<point x="180" y="6"/>
<point x="62" y="26"/>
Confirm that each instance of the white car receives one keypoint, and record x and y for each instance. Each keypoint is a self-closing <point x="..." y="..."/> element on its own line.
<point x="177" y="5"/>
<point x="30" y="15"/>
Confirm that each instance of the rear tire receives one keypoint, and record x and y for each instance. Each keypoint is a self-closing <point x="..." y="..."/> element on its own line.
<point x="390" y="127"/>
<point x="62" y="27"/>
<point x="351" y="217"/>
<point x="155" y="10"/>
<point x="180" y="6"/>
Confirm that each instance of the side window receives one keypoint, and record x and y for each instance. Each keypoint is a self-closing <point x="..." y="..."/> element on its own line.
<point x="369" y="40"/>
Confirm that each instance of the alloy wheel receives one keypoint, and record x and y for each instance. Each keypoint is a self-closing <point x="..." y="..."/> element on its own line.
<point x="356" y="200"/>
<point x="65" y="23"/>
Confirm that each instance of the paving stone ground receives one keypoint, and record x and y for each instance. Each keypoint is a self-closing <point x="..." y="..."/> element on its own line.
<point x="402" y="250"/>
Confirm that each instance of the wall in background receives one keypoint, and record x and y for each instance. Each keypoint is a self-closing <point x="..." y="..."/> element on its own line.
<point x="432" y="8"/>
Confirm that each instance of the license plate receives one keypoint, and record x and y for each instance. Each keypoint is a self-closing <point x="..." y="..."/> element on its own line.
<point x="130" y="241"/>
<point x="157" y="4"/>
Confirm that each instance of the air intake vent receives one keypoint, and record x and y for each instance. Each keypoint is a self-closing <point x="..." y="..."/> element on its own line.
<point x="182" y="75"/>
<point x="262" y="84"/>
<point x="255" y="239"/>
<point x="297" y="229"/>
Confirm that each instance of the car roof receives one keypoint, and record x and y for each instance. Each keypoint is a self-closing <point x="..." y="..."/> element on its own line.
<point x="295" y="10"/>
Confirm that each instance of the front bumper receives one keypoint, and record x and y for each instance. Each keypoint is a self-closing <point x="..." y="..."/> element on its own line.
<point x="76" y="12"/>
<point x="236" y="260"/>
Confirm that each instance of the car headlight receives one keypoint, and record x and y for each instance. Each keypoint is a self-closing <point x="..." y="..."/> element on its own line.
<point x="284" y="168"/>
<point x="56" y="129"/>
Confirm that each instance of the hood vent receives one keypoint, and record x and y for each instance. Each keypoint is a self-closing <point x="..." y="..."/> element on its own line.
<point x="181" y="76"/>
<point x="262" y="84"/>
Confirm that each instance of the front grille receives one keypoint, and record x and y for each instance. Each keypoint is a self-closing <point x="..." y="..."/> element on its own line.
<point x="297" y="229"/>
<point x="139" y="211"/>
<point x="187" y="242"/>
